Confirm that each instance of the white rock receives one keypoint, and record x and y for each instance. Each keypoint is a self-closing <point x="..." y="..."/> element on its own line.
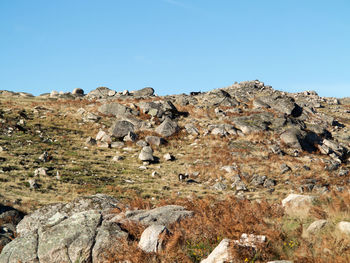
<point x="220" y="254"/>
<point x="151" y="239"/>
<point x="344" y="227"/>
<point x="297" y="205"/>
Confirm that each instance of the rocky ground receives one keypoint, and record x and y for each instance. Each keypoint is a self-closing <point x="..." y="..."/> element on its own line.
<point x="256" y="173"/>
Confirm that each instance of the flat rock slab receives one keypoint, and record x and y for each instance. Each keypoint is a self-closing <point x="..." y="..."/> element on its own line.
<point x="164" y="215"/>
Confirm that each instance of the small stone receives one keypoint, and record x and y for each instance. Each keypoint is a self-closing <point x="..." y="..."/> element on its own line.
<point x="117" y="145"/>
<point x="220" y="186"/>
<point x="153" y="238"/>
<point x="146" y="154"/>
<point x="90" y="141"/>
<point x="33" y="184"/>
<point x="117" y="158"/>
<point x="168" y="157"/>
<point x="40" y="171"/>
<point x="130" y="137"/>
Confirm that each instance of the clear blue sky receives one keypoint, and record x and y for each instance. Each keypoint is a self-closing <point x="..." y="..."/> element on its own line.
<point x="174" y="46"/>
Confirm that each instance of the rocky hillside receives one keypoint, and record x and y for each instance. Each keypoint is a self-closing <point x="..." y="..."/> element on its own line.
<point x="240" y="174"/>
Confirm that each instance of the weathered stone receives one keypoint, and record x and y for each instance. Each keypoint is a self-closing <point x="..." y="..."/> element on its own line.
<point x="167" y="128"/>
<point x="164" y="215"/>
<point x="315" y="227"/>
<point x="148" y="91"/>
<point x="114" y="109"/>
<point x="297" y="205"/>
<point x="146" y="154"/>
<point x="152" y="238"/>
<point x="155" y="140"/>
<point x="344" y="227"/>
<point x="121" y="129"/>
<point x="220" y="254"/>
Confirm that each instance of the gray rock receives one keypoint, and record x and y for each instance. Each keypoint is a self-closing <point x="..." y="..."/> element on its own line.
<point x="130" y="137"/>
<point x="220" y="254"/>
<point x="167" y="128"/>
<point x="297" y="205"/>
<point x="291" y="138"/>
<point x="152" y="238"/>
<point x="315" y="227"/>
<point x="191" y="129"/>
<point x="148" y="91"/>
<point x="99" y="93"/>
<point x="141" y="143"/>
<point x="121" y="129"/>
<point x="22" y="249"/>
<point x="90" y="141"/>
<point x="72" y="232"/>
<point x="168" y="157"/>
<point x="114" y="109"/>
<point x="32" y="222"/>
<point x="33" y="184"/>
<point x="155" y="140"/>
<point x="285" y="168"/>
<point x="258" y="180"/>
<point x="164" y="215"/>
<point x="71" y="240"/>
<point x="146" y="154"/>
<point x="220" y="186"/>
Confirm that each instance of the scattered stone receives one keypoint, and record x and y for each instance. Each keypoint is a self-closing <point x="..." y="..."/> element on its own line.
<point x="167" y="128"/>
<point x="117" y="145"/>
<point x="90" y="141"/>
<point x="344" y="227"/>
<point x="145" y="92"/>
<point x="117" y="158"/>
<point x="220" y="254"/>
<point x="146" y="154"/>
<point x="191" y="129"/>
<point x="315" y="227"/>
<point x="130" y="137"/>
<point x="297" y="205"/>
<point x="153" y="238"/>
<point x="168" y="157"/>
<point x="155" y="140"/>
<point x="33" y="184"/>
<point x="220" y="186"/>
<point x="40" y="171"/>
<point x="141" y="143"/>
<point x="285" y="168"/>
<point x="121" y="129"/>
<point x="164" y="215"/>
<point x="45" y="157"/>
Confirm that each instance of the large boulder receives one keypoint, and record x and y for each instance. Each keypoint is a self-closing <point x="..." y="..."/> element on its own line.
<point x="153" y="237"/>
<point x="297" y="205"/>
<point x="80" y="231"/>
<point x="164" y="215"/>
<point x="9" y="218"/>
<point x="100" y="93"/>
<point x="159" y="109"/>
<point x="121" y="129"/>
<point x="167" y="128"/>
<point x="283" y="104"/>
<point x="114" y="109"/>
<point x="292" y="138"/>
<point x="146" y="154"/>
<point x="145" y="92"/>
